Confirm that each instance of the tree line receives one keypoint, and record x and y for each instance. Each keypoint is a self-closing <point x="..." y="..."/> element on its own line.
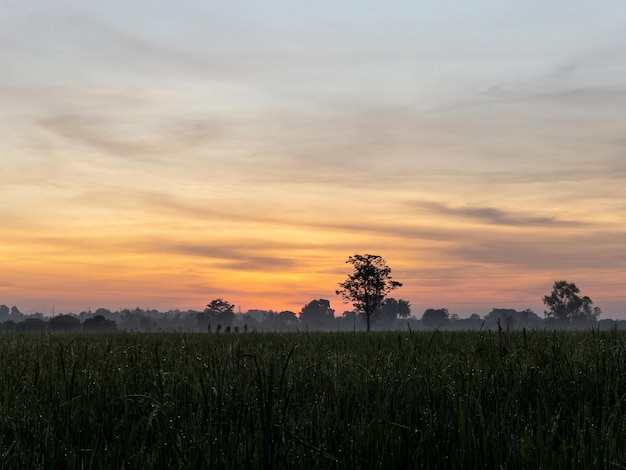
<point x="367" y="288"/>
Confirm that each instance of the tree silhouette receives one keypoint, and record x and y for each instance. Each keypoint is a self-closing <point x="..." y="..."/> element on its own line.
<point x="509" y="318"/>
<point x="4" y="313"/>
<point x="317" y="313"/>
<point x="435" y="317"/>
<point x="99" y="323"/>
<point x="565" y="304"/>
<point x="219" y="310"/>
<point x="393" y="309"/>
<point x="34" y="324"/>
<point x="64" y="323"/>
<point x="368" y="285"/>
<point x="286" y="319"/>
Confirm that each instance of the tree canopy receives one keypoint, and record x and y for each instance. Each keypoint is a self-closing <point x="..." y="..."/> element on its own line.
<point x="565" y="304"/>
<point x="218" y="310"/>
<point x="368" y="285"/>
<point x="435" y="317"/>
<point x="317" y="312"/>
<point x="392" y="309"/>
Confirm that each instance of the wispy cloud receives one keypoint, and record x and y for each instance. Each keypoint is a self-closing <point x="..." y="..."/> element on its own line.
<point x="573" y="252"/>
<point x="493" y="216"/>
<point x="92" y="131"/>
<point x="133" y="137"/>
<point x="233" y="258"/>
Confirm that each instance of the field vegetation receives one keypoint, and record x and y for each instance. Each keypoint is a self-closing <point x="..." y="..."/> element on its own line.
<point x="519" y="399"/>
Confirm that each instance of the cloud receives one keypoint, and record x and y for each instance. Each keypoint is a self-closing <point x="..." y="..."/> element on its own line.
<point x="545" y="252"/>
<point x="494" y="216"/>
<point x="281" y="216"/>
<point x="239" y="259"/>
<point x="92" y="131"/>
<point x="74" y="41"/>
<point x="134" y="138"/>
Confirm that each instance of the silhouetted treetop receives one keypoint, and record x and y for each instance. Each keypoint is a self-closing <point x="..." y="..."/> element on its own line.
<point x="434" y="317"/>
<point x="565" y="304"/>
<point x="368" y="285"/>
<point x="317" y="312"/>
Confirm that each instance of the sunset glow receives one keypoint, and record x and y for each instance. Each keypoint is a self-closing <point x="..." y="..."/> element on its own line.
<point x="162" y="154"/>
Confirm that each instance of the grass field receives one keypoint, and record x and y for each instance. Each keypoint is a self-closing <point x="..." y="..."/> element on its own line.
<point x="314" y="400"/>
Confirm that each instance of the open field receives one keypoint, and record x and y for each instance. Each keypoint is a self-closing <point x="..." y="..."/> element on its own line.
<point x="314" y="400"/>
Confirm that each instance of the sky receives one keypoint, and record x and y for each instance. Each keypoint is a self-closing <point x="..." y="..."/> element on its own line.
<point x="160" y="154"/>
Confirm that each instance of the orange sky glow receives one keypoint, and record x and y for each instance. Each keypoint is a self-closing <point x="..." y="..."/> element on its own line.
<point x="245" y="153"/>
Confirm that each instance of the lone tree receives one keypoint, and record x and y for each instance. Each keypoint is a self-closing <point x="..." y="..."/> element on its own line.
<point x="219" y="310"/>
<point x="368" y="285"/>
<point x="565" y="304"/>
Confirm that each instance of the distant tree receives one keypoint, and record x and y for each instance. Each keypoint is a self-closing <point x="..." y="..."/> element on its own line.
<point x="65" y="323"/>
<point x="368" y="285"/>
<point x="435" y="317"/>
<point x="288" y="315"/>
<point x="219" y="310"/>
<point x="474" y="321"/>
<point x="99" y="323"/>
<point x="130" y="319"/>
<point x="393" y="309"/>
<point x="148" y="324"/>
<point x="349" y="315"/>
<point x="9" y="326"/>
<point x="565" y="304"/>
<point x="286" y="319"/>
<point x="403" y="309"/>
<point x="203" y="319"/>
<point x="262" y="319"/>
<point x="509" y="318"/>
<point x="4" y="312"/>
<point x="317" y="313"/>
<point x="15" y="313"/>
<point x="138" y="311"/>
<point x="348" y="320"/>
<point x="34" y="324"/>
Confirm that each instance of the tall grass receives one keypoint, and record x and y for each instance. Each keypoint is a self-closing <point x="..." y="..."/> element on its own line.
<point x="314" y="400"/>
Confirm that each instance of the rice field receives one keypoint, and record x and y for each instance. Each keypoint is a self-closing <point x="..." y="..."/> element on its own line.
<point x="314" y="400"/>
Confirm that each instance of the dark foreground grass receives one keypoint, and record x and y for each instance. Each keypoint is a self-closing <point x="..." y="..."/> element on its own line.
<point x="314" y="400"/>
